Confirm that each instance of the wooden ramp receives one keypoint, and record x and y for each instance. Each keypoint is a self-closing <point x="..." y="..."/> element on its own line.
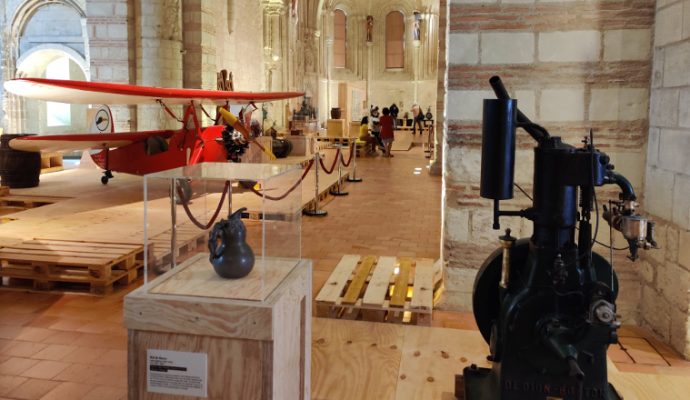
<point x="380" y="289"/>
<point x="403" y="141"/>
<point x="96" y="266"/>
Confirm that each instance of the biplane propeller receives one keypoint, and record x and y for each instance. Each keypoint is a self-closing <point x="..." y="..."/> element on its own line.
<point x="145" y="152"/>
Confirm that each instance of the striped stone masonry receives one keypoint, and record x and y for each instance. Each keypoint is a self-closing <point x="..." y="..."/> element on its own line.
<point x="572" y="66"/>
<point x="110" y="29"/>
<point x="665" y="273"/>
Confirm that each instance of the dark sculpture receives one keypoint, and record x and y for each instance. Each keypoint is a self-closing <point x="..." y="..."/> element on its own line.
<point x="231" y="256"/>
<point x="546" y="305"/>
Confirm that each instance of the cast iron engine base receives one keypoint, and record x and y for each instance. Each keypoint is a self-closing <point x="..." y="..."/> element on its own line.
<point x="484" y="384"/>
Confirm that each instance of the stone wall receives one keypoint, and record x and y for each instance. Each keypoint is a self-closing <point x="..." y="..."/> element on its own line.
<point x="572" y="66"/>
<point x="238" y="43"/>
<point x="110" y="28"/>
<point x="665" y="273"/>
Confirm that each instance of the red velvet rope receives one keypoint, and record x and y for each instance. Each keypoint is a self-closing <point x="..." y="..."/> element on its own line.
<point x="215" y="215"/>
<point x="335" y="160"/>
<point x="349" y="160"/>
<point x="275" y="198"/>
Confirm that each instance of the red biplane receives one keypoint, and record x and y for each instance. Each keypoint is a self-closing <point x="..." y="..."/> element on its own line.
<point x="151" y="151"/>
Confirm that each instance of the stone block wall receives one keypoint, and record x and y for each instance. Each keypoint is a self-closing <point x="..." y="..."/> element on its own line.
<point x="665" y="273"/>
<point x="238" y="43"/>
<point x="572" y="66"/>
<point x="110" y="27"/>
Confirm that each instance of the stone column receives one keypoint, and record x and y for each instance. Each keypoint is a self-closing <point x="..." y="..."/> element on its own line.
<point x="275" y="52"/>
<point x="199" y="54"/>
<point x="329" y="62"/>
<point x="436" y="164"/>
<point x="159" y="57"/>
<point x="111" y="30"/>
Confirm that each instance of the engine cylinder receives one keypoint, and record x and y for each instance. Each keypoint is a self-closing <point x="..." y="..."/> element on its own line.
<point x="498" y="148"/>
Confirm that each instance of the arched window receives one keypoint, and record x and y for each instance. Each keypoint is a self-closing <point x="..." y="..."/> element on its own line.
<point x="395" y="40"/>
<point x="58" y="114"/>
<point x="339" y="39"/>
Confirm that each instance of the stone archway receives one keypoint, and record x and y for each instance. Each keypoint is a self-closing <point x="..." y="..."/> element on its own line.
<point x="42" y="62"/>
<point x="17" y="49"/>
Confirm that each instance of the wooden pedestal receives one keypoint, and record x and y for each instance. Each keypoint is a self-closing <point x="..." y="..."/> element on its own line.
<point x="302" y="145"/>
<point x="254" y="332"/>
<point x="336" y="128"/>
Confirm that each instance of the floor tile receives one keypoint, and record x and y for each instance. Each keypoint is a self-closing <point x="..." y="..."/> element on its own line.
<point x="84" y="355"/>
<point x="106" y="393"/>
<point x="15" y="366"/>
<point x="9" y="383"/>
<point x="68" y="390"/>
<point x="112" y="358"/>
<point x="33" y="389"/>
<point x="54" y="352"/>
<point x="22" y="349"/>
<point x="45" y="369"/>
<point x="77" y="373"/>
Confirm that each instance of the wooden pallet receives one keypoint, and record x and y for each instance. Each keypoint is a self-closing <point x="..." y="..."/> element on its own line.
<point x="28" y="201"/>
<point x="189" y="239"/>
<point x="51" y="162"/>
<point x="335" y="140"/>
<point x="96" y="266"/>
<point x="325" y="195"/>
<point x="380" y="289"/>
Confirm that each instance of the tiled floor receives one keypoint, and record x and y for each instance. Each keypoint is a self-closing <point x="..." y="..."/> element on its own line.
<point x="74" y="346"/>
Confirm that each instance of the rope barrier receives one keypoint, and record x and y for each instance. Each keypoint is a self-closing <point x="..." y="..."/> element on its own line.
<point x="349" y="160"/>
<point x="284" y="195"/>
<point x="185" y="205"/>
<point x="335" y="161"/>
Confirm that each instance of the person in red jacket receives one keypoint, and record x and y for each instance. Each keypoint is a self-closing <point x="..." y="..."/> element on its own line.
<point x="387" y="129"/>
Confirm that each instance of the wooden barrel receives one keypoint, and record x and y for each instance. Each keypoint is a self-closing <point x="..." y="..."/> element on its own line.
<point x="18" y="169"/>
<point x="281" y="148"/>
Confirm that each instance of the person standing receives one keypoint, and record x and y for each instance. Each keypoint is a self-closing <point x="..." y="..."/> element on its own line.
<point x="418" y="117"/>
<point x="376" y="126"/>
<point x="387" y="132"/>
<point x="394" y="113"/>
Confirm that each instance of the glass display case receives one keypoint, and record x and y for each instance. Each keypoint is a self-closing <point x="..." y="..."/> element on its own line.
<point x="183" y="207"/>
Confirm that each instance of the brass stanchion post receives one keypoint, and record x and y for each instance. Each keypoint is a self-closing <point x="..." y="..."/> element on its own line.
<point x="354" y="178"/>
<point x="315" y="211"/>
<point x="339" y="192"/>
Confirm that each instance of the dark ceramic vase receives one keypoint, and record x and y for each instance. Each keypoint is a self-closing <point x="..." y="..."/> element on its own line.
<point x="336" y="113"/>
<point x="231" y="256"/>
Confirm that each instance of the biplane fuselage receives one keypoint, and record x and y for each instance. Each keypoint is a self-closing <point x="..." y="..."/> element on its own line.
<point x="141" y="152"/>
<point x="183" y="149"/>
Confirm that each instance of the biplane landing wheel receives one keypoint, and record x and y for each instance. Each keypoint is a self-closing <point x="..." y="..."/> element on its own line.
<point x="106" y="176"/>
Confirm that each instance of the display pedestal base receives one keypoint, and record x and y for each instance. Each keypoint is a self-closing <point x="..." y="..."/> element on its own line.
<point x="315" y="213"/>
<point x="247" y="338"/>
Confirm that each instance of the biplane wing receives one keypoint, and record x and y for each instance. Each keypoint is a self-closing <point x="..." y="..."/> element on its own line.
<point x="86" y="141"/>
<point x="81" y="92"/>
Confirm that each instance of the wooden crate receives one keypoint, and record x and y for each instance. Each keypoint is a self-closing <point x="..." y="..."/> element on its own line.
<point x="381" y="289"/>
<point x="253" y="332"/>
<point x="336" y="128"/>
<point x="51" y="162"/>
<point x="94" y="266"/>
